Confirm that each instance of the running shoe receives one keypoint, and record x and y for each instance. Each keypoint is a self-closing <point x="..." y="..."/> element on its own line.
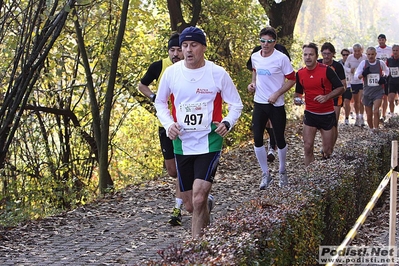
<point x="211" y="203"/>
<point x="283" y="179"/>
<point x="175" y="218"/>
<point x="357" y="122"/>
<point x="266" y="180"/>
<point x="270" y="155"/>
<point x="362" y="122"/>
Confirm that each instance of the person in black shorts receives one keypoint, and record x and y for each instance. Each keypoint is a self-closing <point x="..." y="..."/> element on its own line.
<point x="347" y="96"/>
<point x="328" y="53"/>
<point x="393" y="81"/>
<point x="352" y="62"/>
<point x="197" y="88"/>
<point x="153" y="73"/>
<point x="321" y="85"/>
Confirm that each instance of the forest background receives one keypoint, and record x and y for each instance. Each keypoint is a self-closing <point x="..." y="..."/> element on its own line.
<point x="73" y="124"/>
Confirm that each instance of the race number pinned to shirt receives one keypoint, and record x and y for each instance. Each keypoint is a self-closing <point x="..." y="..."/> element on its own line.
<point x="193" y="116"/>
<point x="372" y="79"/>
<point x="384" y="57"/>
<point x="394" y="72"/>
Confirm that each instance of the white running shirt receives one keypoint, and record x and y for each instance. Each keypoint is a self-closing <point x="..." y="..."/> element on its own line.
<point x="197" y="96"/>
<point x="384" y="53"/>
<point x="353" y="62"/>
<point x="270" y="75"/>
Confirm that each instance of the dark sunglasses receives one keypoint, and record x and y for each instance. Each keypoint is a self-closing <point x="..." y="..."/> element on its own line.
<point x="268" y="41"/>
<point x="345" y="54"/>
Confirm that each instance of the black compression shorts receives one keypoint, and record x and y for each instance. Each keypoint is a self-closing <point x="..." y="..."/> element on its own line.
<point x="166" y="144"/>
<point x="191" y="167"/>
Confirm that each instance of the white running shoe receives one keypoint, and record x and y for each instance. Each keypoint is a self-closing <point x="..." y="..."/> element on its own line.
<point x="270" y="155"/>
<point x="266" y="180"/>
<point x="362" y="122"/>
<point x="283" y="179"/>
<point x="357" y="122"/>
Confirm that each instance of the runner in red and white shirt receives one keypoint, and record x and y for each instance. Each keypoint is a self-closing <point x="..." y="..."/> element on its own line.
<point x="197" y="89"/>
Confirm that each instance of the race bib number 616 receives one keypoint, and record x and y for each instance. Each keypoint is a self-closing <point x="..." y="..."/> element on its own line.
<point x="372" y="79"/>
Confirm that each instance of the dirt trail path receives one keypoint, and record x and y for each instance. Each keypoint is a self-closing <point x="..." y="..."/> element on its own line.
<point x="129" y="227"/>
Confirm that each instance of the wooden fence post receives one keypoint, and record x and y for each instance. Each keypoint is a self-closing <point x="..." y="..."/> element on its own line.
<point x="393" y="196"/>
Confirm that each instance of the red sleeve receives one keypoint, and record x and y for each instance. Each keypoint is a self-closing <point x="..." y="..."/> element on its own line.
<point x="291" y="76"/>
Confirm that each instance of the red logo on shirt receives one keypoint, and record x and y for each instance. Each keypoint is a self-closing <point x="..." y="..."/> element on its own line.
<point x="203" y="91"/>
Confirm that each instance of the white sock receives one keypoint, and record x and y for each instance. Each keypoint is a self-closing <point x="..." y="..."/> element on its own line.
<point x="261" y="155"/>
<point x="282" y="157"/>
<point x="179" y="202"/>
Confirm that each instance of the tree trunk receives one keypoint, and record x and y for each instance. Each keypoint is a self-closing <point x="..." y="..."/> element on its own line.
<point x="101" y="126"/>
<point x="177" y="21"/>
<point x="282" y="16"/>
<point x="105" y="178"/>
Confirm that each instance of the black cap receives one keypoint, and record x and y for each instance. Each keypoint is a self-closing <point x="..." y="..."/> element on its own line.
<point x="173" y="41"/>
<point x="382" y="36"/>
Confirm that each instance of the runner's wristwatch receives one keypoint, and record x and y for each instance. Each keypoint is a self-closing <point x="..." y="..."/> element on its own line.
<point x="152" y="97"/>
<point x="227" y="124"/>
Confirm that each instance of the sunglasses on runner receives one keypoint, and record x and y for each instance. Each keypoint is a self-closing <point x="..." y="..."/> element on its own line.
<point x="268" y="41"/>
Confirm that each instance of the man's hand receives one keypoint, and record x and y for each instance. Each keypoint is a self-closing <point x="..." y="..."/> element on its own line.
<point x="251" y="87"/>
<point x="382" y="81"/>
<point x="366" y="71"/>
<point x="221" y="129"/>
<point x="174" y="130"/>
<point x="273" y="98"/>
<point x="321" y="98"/>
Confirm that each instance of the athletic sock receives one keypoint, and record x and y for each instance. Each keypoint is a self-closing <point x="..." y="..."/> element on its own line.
<point x="179" y="202"/>
<point x="282" y="157"/>
<point x="261" y="155"/>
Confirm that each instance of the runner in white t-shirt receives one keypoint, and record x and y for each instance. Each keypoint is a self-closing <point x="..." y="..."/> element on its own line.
<point x="383" y="53"/>
<point x="352" y="63"/>
<point x="272" y="76"/>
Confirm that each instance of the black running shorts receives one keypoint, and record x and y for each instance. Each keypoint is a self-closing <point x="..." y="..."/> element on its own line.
<point x="166" y="144"/>
<point x="356" y="88"/>
<point x="347" y="94"/>
<point x="325" y="122"/>
<point x="191" y="167"/>
<point x="394" y="88"/>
